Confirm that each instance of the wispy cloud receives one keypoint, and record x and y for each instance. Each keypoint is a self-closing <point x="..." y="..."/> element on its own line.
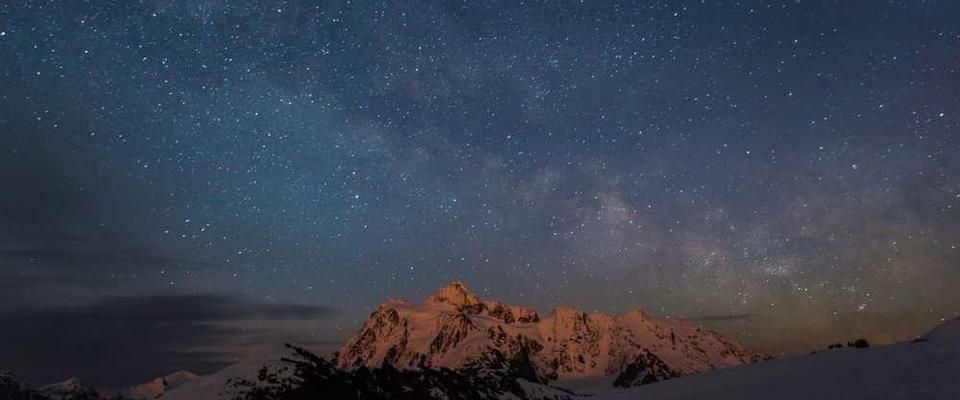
<point x="121" y="340"/>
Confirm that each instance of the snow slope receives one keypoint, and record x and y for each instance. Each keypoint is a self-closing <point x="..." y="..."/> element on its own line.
<point x="926" y="369"/>
<point x="214" y="386"/>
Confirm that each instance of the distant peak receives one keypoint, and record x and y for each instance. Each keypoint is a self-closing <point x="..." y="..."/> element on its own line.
<point x="455" y="293"/>
<point x="69" y="386"/>
<point x="69" y="382"/>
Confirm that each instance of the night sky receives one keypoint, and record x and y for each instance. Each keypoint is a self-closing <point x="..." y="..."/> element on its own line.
<point x="184" y="181"/>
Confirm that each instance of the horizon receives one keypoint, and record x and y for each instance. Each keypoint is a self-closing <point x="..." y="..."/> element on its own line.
<point x="325" y="350"/>
<point x="192" y="182"/>
<point x="332" y="346"/>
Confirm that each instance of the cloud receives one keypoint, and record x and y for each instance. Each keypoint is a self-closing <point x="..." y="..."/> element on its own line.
<point x="122" y="340"/>
<point x="69" y="222"/>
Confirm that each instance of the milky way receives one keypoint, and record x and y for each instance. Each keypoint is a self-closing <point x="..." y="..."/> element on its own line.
<point x="787" y="173"/>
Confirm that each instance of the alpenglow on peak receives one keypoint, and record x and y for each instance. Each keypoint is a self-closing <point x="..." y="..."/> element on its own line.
<point x="454" y="293"/>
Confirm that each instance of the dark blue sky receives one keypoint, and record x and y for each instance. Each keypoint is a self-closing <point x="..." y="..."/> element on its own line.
<point x="786" y="172"/>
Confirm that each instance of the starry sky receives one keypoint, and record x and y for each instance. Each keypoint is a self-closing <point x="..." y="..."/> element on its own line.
<point x="185" y="180"/>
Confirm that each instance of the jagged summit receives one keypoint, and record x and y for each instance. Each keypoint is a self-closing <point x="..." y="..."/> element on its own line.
<point x="455" y="329"/>
<point x="454" y="293"/>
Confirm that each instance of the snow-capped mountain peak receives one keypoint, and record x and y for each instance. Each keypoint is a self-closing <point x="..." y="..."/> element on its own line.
<point x="454" y="328"/>
<point x="456" y="294"/>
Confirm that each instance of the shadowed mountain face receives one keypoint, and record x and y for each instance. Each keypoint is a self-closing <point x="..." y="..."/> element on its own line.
<point x="455" y="329"/>
<point x="307" y="376"/>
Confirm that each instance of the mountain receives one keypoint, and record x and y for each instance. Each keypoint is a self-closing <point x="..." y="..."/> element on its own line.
<point x="12" y="388"/>
<point x="217" y="385"/>
<point x="926" y="368"/>
<point x="70" y="389"/>
<point x="443" y="349"/>
<point x="158" y="386"/>
<point x="455" y="329"/>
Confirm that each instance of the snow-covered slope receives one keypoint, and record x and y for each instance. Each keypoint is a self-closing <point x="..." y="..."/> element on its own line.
<point x="946" y="333"/>
<point x="455" y="329"/>
<point x="925" y="369"/>
<point x="158" y="386"/>
<point x="215" y="386"/>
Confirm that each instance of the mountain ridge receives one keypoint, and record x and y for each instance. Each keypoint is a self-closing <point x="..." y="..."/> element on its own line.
<point x="454" y="328"/>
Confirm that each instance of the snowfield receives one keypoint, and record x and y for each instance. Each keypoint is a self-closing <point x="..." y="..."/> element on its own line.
<point x="926" y="369"/>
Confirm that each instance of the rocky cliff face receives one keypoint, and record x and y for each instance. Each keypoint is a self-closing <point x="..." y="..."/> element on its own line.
<point x="453" y="328"/>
